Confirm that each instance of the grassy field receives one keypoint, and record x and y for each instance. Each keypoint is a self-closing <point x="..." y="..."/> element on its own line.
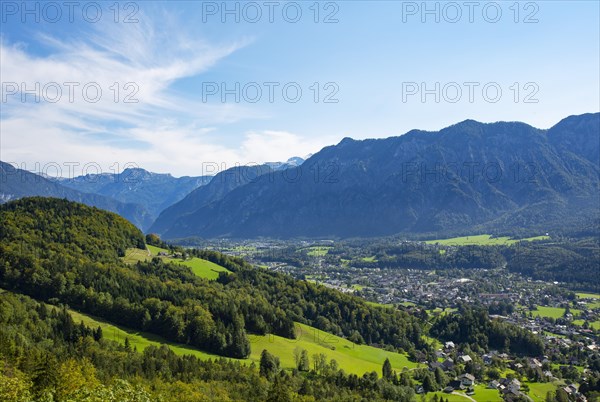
<point x="552" y="312"/>
<point x="482" y="394"/>
<point x="553" y="334"/>
<point x="200" y="267"/>
<point x="139" y="340"/>
<point x="482" y="240"/>
<point x="449" y="397"/>
<point x="316" y="278"/>
<point x="240" y="249"/>
<point x="203" y="268"/>
<point x="593" y="324"/>
<point x="439" y="311"/>
<point x="318" y="251"/>
<point x="435" y="343"/>
<point x="357" y="359"/>
<point x="155" y="250"/>
<point x="133" y="255"/>
<point x="538" y="390"/>
<point x="369" y="259"/>
<point x="595" y="297"/>
<point x="375" y="304"/>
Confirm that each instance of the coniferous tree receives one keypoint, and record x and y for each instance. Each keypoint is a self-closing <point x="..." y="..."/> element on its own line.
<point x="304" y="364"/>
<point x="387" y="370"/>
<point x="269" y="364"/>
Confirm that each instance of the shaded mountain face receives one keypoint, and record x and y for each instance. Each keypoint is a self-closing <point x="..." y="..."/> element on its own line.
<point x="467" y="176"/>
<point x="17" y="183"/>
<point x="154" y="191"/>
<point x="220" y="185"/>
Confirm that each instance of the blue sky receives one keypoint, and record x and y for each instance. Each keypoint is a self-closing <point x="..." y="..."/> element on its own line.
<point x="370" y="61"/>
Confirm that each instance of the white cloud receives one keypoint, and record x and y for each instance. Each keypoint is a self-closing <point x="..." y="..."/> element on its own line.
<point x="169" y="148"/>
<point x="164" y="131"/>
<point x="278" y="145"/>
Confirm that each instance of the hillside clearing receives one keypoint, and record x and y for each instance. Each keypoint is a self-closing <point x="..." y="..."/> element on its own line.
<point x="202" y="268"/>
<point x="352" y="358"/>
<point x="482" y="240"/>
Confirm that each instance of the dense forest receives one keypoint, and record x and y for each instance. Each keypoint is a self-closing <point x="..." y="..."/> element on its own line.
<point x="576" y="263"/>
<point x="473" y="327"/>
<point x="424" y="256"/>
<point x="58" y="251"/>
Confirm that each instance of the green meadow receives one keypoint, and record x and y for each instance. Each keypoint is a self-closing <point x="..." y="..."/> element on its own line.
<point x="439" y="311"/>
<point x="352" y="358"/>
<point x="318" y="251"/>
<point x="202" y="268"/>
<point x="155" y="250"/>
<point x="239" y="250"/>
<point x="482" y="394"/>
<point x="482" y="240"/>
<point x="133" y="255"/>
<point x="592" y="304"/>
<point x="449" y="397"/>
<point x="137" y="339"/>
<point x="558" y="312"/>
<point x="593" y="324"/>
<point x="538" y="390"/>
<point x="552" y="312"/>
<point x="372" y="303"/>
<point x="537" y="393"/>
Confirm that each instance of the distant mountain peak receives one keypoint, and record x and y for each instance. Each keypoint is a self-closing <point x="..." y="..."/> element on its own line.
<point x="291" y="162"/>
<point x="346" y="141"/>
<point x="295" y="160"/>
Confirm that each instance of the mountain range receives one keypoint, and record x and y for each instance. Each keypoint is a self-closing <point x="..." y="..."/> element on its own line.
<point x="136" y="194"/>
<point x="471" y="176"/>
<point x="153" y="191"/>
<point x="18" y="183"/>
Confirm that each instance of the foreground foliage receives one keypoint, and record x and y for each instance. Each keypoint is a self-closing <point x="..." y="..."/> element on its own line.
<point x="46" y="356"/>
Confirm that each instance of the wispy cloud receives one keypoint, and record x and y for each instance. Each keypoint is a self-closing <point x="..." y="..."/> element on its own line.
<point x="163" y="130"/>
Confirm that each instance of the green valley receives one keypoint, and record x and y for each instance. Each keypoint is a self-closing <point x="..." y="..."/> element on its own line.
<point x="123" y="313"/>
